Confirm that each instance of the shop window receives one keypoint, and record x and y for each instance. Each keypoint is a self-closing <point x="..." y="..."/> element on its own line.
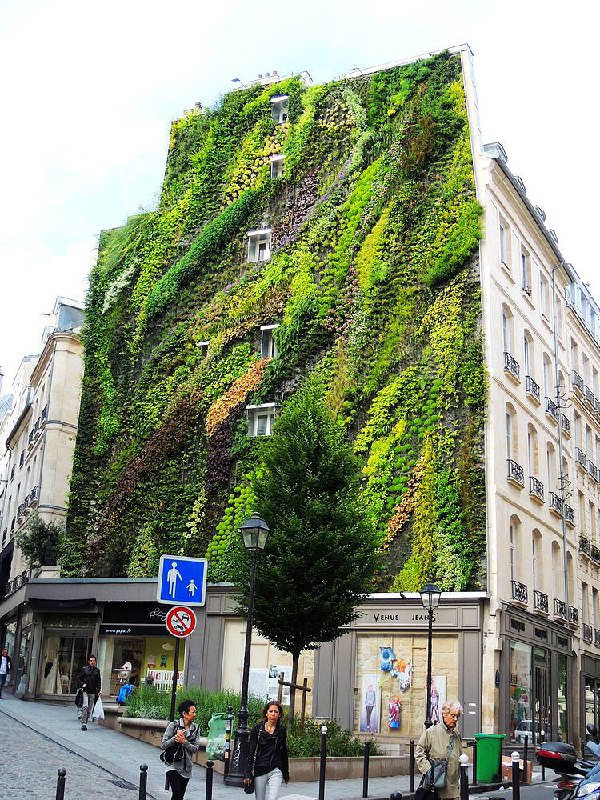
<point x="520" y="707"/>
<point x="561" y="697"/>
<point x="277" y="166"/>
<point x="259" y="245"/>
<point x="279" y="108"/>
<point x="261" y="419"/>
<point x="63" y="658"/>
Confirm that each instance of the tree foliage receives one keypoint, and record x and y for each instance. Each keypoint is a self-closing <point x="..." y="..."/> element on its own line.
<point x="39" y="541"/>
<point x="321" y="554"/>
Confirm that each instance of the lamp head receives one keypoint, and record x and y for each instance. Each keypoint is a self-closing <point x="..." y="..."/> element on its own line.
<point x="430" y="596"/>
<point x="254" y="532"/>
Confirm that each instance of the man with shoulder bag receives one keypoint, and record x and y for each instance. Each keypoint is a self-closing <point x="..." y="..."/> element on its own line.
<point x="90" y="683"/>
<point x="437" y="755"/>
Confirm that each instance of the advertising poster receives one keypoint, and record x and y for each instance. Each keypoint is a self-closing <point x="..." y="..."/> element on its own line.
<point x="263" y="683"/>
<point x="370" y="704"/>
<point x="438" y="697"/>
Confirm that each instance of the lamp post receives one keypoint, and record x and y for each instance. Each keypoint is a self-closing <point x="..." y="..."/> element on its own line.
<point x="254" y="533"/>
<point x="430" y="598"/>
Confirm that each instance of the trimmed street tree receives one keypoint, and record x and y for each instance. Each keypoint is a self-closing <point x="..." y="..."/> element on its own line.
<point x="321" y="554"/>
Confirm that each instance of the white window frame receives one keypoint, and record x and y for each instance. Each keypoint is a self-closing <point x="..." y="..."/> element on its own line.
<point x="504" y="241"/>
<point x="279" y="108"/>
<point x="203" y="347"/>
<point x="277" y="164"/>
<point x="259" y="245"/>
<point x="268" y="348"/>
<point x="256" y="414"/>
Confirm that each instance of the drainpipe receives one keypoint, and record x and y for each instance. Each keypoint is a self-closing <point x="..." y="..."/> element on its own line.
<point x="561" y="477"/>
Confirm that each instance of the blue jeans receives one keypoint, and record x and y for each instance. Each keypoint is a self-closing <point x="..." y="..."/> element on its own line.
<point x="2" y="682"/>
<point x="266" y="787"/>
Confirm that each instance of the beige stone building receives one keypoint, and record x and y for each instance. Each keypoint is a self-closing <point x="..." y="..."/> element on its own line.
<point x="37" y="438"/>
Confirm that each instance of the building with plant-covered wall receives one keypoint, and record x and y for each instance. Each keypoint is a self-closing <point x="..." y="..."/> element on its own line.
<point x="355" y="236"/>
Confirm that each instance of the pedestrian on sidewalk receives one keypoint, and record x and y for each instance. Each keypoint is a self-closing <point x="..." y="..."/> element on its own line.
<point x="5" y="668"/>
<point x="268" y="754"/>
<point x="442" y="742"/>
<point x="90" y="682"/>
<point x="181" y="736"/>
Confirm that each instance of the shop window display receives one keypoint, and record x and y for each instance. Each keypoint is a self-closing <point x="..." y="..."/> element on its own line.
<point x="520" y="687"/>
<point x="64" y="657"/>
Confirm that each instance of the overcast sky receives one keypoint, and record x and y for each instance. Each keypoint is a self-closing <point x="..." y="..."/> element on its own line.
<point x="89" y="89"/>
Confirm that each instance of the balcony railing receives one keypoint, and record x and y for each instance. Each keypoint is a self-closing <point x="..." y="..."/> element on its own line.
<point x="565" y="424"/>
<point x="560" y="608"/>
<point x="532" y="388"/>
<point x="44" y="413"/>
<point x="577" y="381"/>
<point x="540" y="601"/>
<point x="597" y="637"/>
<point x="584" y="545"/>
<point x="591" y="468"/>
<point x="555" y="502"/>
<point x="552" y="409"/>
<point x="536" y="488"/>
<point x="515" y="472"/>
<point x="580" y="457"/>
<point x="573" y="615"/>
<point x="595" y="553"/>
<point x="597" y="406"/>
<point x="587" y="633"/>
<point x="569" y="515"/>
<point x="512" y="366"/>
<point x="519" y="591"/>
<point x="589" y="397"/>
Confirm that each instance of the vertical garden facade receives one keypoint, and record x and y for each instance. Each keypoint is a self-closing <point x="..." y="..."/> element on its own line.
<point x="324" y="235"/>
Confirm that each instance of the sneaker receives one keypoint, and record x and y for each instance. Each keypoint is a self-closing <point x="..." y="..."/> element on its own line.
<point x="84" y="727"/>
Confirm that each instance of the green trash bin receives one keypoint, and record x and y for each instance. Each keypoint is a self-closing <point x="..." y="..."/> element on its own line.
<point x="489" y="755"/>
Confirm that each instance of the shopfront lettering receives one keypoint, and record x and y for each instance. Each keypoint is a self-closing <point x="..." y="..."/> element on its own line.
<point x="419" y="617"/>
<point x="386" y="617"/>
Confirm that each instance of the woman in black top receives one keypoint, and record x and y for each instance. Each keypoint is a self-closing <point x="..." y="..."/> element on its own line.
<point x="267" y="754"/>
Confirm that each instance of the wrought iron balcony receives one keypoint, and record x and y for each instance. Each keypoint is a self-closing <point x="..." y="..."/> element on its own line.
<point x="573" y="615"/>
<point x="555" y="502"/>
<point x="34" y="495"/>
<point x="560" y="608"/>
<point x="565" y="424"/>
<point x="569" y="515"/>
<point x="552" y="409"/>
<point x="591" y="468"/>
<point x="532" y="388"/>
<point x="589" y="397"/>
<point x="584" y="545"/>
<point x="587" y="632"/>
<point x="515" y="472"/>
<point x="580" y="457"/>
<point x="512" y="366"/>
<point x="595" y="553"/>
<point x="536" y="488"/>
<point x="519" y="591"/>
<point x="597" y="406"/>
<point x="44" y="413"/>
<point x="597" y="637"/>
<point x="540" y="601"/>
<point x="577" y="381"/>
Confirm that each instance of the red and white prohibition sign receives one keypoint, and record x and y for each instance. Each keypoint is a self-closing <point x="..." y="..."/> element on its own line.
<point x="180" y="621"/>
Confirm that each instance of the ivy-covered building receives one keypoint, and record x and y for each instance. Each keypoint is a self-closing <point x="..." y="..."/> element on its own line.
<point x="357" y="236"/>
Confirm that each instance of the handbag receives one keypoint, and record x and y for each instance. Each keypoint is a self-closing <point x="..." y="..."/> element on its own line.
<point x="79" y="698"/>
<point x="174" y="752"/>
<point x="249" y="787"/>
<point x="439" y="768"/>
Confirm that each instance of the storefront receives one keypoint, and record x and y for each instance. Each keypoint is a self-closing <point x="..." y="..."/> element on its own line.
<point x="590" y="692"/>
<point x="380" y="667"/>
<point x="536" y="666"/>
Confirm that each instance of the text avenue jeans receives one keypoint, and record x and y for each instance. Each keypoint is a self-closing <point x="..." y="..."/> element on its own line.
<point x="266" y="787"/>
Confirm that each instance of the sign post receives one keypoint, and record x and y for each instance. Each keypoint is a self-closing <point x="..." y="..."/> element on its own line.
<point x="180" y="622"/>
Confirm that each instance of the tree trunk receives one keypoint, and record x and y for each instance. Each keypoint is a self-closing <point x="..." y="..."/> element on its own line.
<point x="293" y="681"/>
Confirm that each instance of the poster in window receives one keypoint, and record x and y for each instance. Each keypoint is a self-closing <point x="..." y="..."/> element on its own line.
<point x="438" y="697"/>
<point x="370" y="704"/>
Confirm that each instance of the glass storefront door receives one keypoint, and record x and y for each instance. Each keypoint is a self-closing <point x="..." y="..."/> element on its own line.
<point x="64" y="654"/>
<point x="541" y="685"/>
<point x="562" y="733"/>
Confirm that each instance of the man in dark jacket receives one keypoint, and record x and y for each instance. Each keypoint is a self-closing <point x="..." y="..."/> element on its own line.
<point x="90" y="682"/>
<point x="5" y="668"/>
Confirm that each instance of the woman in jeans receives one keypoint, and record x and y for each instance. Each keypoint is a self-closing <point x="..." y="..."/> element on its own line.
<point x="267" y="754"/>
<point x="183" y="731"/>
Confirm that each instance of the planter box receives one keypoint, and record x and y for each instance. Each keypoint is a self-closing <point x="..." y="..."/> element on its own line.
<point x="301" y="769"/>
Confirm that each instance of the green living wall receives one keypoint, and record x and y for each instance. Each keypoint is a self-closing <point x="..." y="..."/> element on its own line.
<point x="373" y="283"/>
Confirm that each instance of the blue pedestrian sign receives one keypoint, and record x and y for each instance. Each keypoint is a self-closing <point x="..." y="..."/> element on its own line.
<point x="182" y="581"/>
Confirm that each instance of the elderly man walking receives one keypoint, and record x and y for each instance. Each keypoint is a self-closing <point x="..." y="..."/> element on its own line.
<point x="443" y="742"/>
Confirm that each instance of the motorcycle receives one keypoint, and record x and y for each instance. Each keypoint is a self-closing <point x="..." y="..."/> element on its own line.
<point x="575" y="773"/>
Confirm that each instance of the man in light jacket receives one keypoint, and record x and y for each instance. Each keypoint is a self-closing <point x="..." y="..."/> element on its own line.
<point x="5" y="668"/>
<point x="435" y="744"/>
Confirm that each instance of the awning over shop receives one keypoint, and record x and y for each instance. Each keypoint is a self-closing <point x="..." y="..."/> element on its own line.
<point x="86" y="605"/>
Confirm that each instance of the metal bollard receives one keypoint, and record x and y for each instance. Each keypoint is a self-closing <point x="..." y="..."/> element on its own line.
<point x="541" y="741"/>
<point x="209" y="779"/>
<point x="366" y="771"/>
<point x="525" y="753"/>
<point x="516" y="788"/>
<point x="323" y="763"/>
<point x="60" y="784"/>
<point x="396" y="796"/>
<point x="474" y="762"/>
<point x="464" y="776"/>
<point x="143" y="781"/>
<point x="411" y="766"/>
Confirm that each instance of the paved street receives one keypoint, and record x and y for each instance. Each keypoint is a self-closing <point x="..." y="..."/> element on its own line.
<point x="38" y="738"/>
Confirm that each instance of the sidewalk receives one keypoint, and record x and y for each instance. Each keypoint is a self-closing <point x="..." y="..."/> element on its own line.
<point x="121" y="756"/>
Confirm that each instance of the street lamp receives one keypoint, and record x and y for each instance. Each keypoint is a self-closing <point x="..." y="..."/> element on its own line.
<point x="254" y="532"/>
<point x="430" y="598"/>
